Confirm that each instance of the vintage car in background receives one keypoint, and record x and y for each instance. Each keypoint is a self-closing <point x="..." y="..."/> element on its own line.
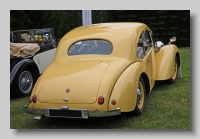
<point x="31" y="51"/>
<point x="103" y="70"/>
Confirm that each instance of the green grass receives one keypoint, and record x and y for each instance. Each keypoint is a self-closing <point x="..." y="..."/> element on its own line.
<point x="168" y="107"/>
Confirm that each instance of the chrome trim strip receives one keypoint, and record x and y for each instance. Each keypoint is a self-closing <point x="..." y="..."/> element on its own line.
<point x="64" y="107"/>
<point x="65" y="99"/>
<point x="47" y="113"/>
<point x="115" y="112"/>
<point x="84" y="112"/>
<point x="34" y="112"/>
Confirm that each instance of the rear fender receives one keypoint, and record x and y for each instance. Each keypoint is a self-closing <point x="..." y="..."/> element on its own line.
<point x="44" y="59"/>
<point x="124" y="91"/>
<point x="165" y="59"/>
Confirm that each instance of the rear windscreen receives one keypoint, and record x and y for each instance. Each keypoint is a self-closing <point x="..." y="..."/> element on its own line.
<point x="91" y="47"/>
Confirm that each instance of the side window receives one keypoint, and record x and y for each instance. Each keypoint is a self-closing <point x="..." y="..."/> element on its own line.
<point x="144" y="44"/>
<point x="147" y="38"/>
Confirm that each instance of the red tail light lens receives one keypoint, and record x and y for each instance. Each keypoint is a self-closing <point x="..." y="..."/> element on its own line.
<point x="101" y="100"/>
<point x="30" y="100"/>
<point x="34" y="98"/>
<point x="113" y="102"/>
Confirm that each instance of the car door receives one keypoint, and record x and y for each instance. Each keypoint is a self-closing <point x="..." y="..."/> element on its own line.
<point x="146" y="53"/>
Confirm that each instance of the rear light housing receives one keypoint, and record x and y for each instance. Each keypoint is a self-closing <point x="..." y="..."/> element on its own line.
<point x="113" y="102"/>
<point x="30" y="100"/>
<point x="34" y="98"/>
<point x="100" y="100"/>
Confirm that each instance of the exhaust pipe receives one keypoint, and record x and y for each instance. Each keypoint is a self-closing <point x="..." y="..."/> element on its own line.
<point x="39" y="117"/>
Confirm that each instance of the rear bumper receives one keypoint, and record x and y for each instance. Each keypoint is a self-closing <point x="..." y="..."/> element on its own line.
<point x="70" y="113"/>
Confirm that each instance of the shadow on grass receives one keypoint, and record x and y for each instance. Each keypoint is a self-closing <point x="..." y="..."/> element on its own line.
<point x="164" y="85"/>
<point x="13" y="95"/>
<point x="113" y="122"/>
<point x="159" y="84"/>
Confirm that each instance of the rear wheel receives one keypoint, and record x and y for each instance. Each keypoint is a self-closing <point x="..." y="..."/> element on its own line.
<point x="174" y="77"/>
<point x="25" y="82"/>
<point x="141" y="98"/>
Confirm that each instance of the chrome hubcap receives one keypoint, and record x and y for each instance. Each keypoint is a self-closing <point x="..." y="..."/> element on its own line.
<point x="25" y="81"/>
<point x="139" y="96"/>
<point x="175" y="68"/>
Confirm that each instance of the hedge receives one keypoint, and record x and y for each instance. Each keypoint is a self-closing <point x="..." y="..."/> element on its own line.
<point x="164" y="23"/>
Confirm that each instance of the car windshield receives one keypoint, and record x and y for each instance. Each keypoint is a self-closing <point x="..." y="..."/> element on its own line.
<point x="31" y="35"/>
<point x="37" y="34"/>
<point x="13" y="37"/>
<point x="91" y="47"/>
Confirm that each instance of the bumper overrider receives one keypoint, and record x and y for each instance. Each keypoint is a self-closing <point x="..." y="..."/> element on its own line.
<point x="66" y="112"/>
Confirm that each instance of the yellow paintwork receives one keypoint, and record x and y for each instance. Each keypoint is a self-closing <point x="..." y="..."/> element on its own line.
<point x="165" y="59"/>
<point x="122" y="36"/>
<point x="113" y="76"/>
<point x="175" y="71"/>
<point x="124" y="91"/>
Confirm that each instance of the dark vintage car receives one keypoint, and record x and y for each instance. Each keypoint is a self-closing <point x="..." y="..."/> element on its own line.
<point x="31" y="51"/>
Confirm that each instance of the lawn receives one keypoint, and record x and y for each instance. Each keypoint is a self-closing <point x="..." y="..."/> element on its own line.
<point x="168" y="107"/>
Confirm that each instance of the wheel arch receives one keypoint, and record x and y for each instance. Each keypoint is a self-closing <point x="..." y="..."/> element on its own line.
<point x="33" y="68"/>
<point x="179" y="60"/>
<point x="146" y="82"/>
<point x="22" y="64"/>
<point x="166" y="56"/>
<point x="125" y="88"/>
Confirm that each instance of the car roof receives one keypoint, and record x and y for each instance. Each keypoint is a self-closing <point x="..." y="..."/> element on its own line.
<point x="120" y="34"/>
<point x="97" y="30"/>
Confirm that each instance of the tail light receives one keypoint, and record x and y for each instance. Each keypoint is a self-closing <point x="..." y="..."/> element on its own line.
<point x="100" y="100"/>
<point x="30" y="100"/>
<point x="113" y="102"/>
<point x="34" y="98"/>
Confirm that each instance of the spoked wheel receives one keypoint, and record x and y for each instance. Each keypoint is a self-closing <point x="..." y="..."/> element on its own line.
<point x="174" y="77"/>
<point x="141" y="98"/>
<point x="25" y="82"/>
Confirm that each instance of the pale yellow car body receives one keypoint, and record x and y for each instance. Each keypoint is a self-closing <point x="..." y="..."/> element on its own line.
<point x="113" y="76"/>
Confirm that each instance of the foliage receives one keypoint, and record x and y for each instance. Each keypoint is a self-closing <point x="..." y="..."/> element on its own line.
<point x="62" y="21"/>
<point x="164" y="23"/>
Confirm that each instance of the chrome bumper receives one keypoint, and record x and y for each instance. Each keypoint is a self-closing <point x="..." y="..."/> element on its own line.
<point x="70" y="113"/>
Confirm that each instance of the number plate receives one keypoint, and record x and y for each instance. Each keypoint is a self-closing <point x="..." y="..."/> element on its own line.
<point x="65" y="113"/>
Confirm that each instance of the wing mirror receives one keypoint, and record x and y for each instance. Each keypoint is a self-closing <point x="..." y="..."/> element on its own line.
<point x="173" y="39"/>
<point x="159" y="43"/>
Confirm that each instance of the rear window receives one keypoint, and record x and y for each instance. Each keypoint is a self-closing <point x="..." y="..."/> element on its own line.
<point x="90" y="47"/>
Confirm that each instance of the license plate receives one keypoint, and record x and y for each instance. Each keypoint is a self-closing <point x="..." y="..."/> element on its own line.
<point x="65" y="113"/>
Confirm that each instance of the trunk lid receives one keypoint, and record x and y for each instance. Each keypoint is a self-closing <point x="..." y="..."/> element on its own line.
<point x="72" y="82"/>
